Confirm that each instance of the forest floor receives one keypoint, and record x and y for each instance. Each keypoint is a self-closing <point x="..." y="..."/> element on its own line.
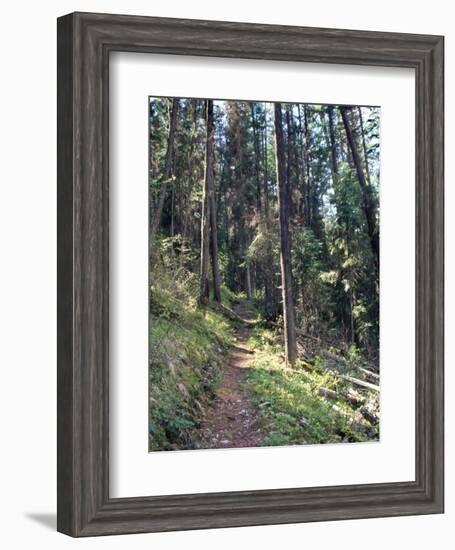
<point x="218" y="379"/>
<point x="233" y="419"/>
<point x="259" y="402"/>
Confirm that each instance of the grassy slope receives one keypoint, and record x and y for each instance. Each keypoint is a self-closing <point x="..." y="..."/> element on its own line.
<point x="188" y="347"/>
<point x="291" y="408"/>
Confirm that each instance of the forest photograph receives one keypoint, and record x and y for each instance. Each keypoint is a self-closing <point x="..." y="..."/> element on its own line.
<point x="263" y="273"/>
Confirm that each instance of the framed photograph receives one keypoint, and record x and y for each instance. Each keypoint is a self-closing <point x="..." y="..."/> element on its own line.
<point x="250" y="274"/>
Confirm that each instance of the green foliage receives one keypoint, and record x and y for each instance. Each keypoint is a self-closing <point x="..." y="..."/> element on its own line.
<point x="307" y="265"/>
<point x="187" y="348"/>
<point x="228" y="297"/>
<point x="351" y="270"/>
<point x="332" y="263"/>
<point x="264" y="246"/>
<point x="334" y="273"/>
<point x="292" y="410"/>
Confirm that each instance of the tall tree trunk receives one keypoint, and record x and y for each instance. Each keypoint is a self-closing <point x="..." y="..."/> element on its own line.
<point x="214" y="250"/>
<point x="367" y="199"/>
<point x="289" y="160"/>
<point x="333" y="145"/>
<point x="205" y="252"/>
<point x="205" y="218"/>
<point x="314" y="185"/>
<point x="256" y="157"/>
<point x="172" y="230"/>
<point x="210" y="170"/>
<point x="190" y="163"/>
<point x="249" y="294"/>
<point x="269" y="290"/>
<point x="155" y="222"/>
<point x="307" y="154"/>
<point x="364" y="144"/>
<point x="286" y="275"/>
<point x="266" y="175"/>
<point x="259" y="197"/>
<point x="304" y="172"/>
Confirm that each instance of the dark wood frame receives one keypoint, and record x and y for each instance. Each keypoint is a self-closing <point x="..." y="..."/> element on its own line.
<point x="84" y="43"/>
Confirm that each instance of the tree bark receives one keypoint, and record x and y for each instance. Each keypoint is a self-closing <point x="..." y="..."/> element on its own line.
<point x="367" y="199"/>
<point x="205" y="219"/>
<point x="333" y="145"/>
<point x="266" y="183"/>
<point x="256" y="157"/>
<point x="309" y="179"/>
<point x="172" y="230"/>
<point x="314" y="184"/>
<point x="155" y="222"/>
<point x="364" y="144"/>
<point x="360" y="383"/>
<point x="210" y="170"/>
<point x="286" y="274"/>
<point x="289" y="177"/>
<point x="190" y="162"/>
<point x="304" y="172"/>
<point x="269" y="290"/>
<point x="249" y="293"/>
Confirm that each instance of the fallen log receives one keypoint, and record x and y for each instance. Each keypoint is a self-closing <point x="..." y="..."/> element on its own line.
<point x="328" y="394"/>
<point x="355" y="381"/>
<point x="354" y="398"/>
<point x="334" y="395"/>
<point x="369" y="375"/>
<point x="369" y="431"/>
<point x="360" y="383"/>
<point x="300" y="332"/>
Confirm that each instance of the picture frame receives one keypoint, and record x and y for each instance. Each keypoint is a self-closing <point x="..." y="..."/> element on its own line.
<point x="85" y="507"/>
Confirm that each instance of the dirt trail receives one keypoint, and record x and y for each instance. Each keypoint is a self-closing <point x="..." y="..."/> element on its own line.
<point x="232" y="419"/>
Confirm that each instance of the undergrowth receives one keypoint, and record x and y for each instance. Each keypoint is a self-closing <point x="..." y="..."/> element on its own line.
<point x="187" y="348"/>
<point x="292" y="411"/>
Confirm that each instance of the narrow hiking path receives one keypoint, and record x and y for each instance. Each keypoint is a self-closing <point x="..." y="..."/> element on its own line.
<point x="232" y="420"/>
